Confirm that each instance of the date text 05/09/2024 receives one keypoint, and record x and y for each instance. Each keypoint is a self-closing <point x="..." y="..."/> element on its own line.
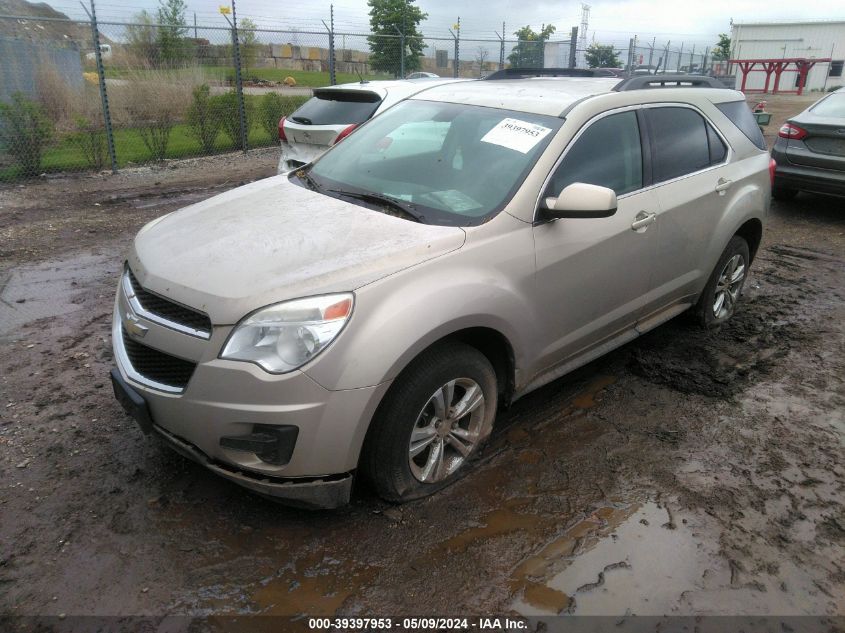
<point x="418" y="624"/>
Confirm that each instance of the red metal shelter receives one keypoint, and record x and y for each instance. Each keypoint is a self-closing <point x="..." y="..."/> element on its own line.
<point x="801" y="65"/>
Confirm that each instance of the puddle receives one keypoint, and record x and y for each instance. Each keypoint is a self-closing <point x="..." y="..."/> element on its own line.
<point x="587" y="398"/>
<point x="319" y="585"/>
<point x="649" y="560"/>
<point x="29" y="293"/>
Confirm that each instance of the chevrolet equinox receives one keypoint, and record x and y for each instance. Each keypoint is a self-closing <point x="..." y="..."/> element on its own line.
<point x="368" y="313"/>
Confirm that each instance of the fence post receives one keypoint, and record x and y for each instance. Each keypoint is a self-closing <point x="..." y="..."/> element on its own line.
<point x="239" y="86"/>
<point x="502" y="49"/>
<point x="401" y="51"/>
<point x="651" y="54"/>
<point x="458" y="49"/>
<point x="330" y="29"/>
<point x="104" y="95"/>
<point x="332" y="69"/>
<point x="573" y="42"/>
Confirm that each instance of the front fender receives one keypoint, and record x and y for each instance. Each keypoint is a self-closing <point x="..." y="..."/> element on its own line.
<point x="487" y="283"/>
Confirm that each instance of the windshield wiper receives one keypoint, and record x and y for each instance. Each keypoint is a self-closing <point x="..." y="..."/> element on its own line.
<point x="303" y="175"/>
<point x="404" y="209"/>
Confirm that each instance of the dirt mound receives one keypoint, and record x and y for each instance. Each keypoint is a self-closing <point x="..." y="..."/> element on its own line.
<point x="34" y="30"/>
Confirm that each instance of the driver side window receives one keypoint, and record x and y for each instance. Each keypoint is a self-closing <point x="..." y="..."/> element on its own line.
<point x="607" y="154"/>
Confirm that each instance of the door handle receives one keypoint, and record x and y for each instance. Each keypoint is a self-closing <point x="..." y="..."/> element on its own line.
<point x="722" y="185"/>
<point x="643" y="220"/>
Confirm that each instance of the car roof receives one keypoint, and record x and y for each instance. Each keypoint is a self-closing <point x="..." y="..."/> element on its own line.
<point x="555" y="96"/>
<point x="541" y="95"/>
<point x="398" y="88"/>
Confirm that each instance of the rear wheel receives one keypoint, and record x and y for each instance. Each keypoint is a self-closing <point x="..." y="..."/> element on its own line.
<point x="718" y="301"/>
<point x="432" y="423"/>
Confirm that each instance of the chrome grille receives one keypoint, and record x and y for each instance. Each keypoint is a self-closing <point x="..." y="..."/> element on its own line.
<point x="167" y="312"/>
<point x="155" y="366"/>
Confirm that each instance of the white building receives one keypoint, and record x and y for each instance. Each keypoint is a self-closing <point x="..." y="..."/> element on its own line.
<point x="818" y="39"/>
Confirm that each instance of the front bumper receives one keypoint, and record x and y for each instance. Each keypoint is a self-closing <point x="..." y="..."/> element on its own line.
<point x="321" y="493"/>
<point x="226" y="398"/>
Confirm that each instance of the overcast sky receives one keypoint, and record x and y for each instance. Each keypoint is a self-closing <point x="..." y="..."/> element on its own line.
<point x="689" y="21"/>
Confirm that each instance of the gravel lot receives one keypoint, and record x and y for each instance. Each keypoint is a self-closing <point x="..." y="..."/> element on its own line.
<point x="685" y="473"/>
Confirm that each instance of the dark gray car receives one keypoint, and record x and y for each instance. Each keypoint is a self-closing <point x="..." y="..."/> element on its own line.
<point x="810" y="150"/>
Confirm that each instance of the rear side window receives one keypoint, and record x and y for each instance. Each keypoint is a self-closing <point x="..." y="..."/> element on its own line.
<point x="334" y="107"/>
<point x="607" y="154"/>
<point x="679" y="142"/>
<point x="834" y="105"/>
<point x="740" y="115"/>
<point x="718" y="151"/>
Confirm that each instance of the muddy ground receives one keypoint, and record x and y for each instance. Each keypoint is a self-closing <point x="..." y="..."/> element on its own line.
<point x="685" y="473"/>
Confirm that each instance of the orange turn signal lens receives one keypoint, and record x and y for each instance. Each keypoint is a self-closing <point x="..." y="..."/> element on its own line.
<point x="339" y="310"/>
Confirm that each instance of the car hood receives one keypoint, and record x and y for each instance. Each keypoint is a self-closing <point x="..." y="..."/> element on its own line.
<point x="273" y="240"/>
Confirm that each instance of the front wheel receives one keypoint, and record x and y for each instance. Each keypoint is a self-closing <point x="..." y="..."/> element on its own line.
<point x="718" y="301"/>
<point x="431" y="424"/>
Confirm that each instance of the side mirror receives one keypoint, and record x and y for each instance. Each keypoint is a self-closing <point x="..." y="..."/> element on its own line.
<point x="580" y="200"/>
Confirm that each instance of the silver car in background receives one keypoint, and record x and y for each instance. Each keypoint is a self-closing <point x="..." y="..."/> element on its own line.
<point x="335" y="111"/>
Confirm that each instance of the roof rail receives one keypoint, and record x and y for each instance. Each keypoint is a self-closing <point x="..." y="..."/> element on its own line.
<point x="527" y="73"/>
<point x="641" y="82"/>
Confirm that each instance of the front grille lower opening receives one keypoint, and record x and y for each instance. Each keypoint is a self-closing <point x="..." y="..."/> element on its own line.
<point x="157" y="366"/>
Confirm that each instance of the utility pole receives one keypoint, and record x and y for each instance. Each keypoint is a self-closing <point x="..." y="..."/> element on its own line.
<point x="195" y="25"/>
<point x="585" y="22"/>
<point x="573" y="42"/>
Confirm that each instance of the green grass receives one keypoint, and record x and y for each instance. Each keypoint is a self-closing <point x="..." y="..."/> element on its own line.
<point x="66" y="154"/>
<point x="227" y="73"/>
<point x="302" y="77"/>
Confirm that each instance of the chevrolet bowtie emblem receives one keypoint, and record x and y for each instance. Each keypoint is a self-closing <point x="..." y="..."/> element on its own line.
<point x="133" y="327"/>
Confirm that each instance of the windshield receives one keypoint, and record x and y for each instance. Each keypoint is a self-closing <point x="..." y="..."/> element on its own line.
<point x="834" y="106"/>
<point x="443" y="163"/>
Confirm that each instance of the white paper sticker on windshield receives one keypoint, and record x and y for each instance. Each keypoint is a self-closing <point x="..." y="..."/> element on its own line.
<point x="517" y="135"/>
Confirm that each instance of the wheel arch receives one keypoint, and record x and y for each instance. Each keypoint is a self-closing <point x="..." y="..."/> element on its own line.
<point x="494" y="345"/>
<point x="752" y="232"/>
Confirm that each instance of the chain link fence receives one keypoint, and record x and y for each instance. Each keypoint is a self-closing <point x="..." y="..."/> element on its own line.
<point x="88" y="95"/>
<point x="152" y="93"/>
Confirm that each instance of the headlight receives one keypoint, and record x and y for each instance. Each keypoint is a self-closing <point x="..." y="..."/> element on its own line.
<point x="285" y="336"/>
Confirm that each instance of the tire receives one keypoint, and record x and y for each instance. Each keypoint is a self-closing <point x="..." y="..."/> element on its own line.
<point x="783" y="193"/>
<point x="710" y="311"/>
<point x="412" y="406"/>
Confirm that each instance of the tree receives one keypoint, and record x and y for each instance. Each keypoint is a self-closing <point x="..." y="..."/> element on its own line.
<point x="173" y="46"/>
<point x="528" y="52"/>
<point x="601" y="56"/>
<point x="141" y="38"/>
<point x="248" y="43"/>
<point x="722" y="50"/>
<point x="389" y="18"/>
<point x="481" y="55"/>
